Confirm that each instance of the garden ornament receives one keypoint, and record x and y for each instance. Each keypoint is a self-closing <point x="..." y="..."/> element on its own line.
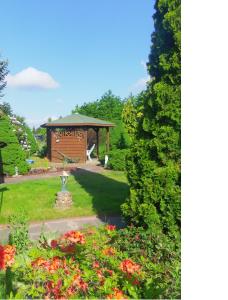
<point x="64" y="177"/>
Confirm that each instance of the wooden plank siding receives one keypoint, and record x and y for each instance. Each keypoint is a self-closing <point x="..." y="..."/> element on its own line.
<point x="71" y="142"/>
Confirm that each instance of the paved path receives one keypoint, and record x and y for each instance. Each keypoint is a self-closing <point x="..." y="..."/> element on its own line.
<point x="62" y="225"/>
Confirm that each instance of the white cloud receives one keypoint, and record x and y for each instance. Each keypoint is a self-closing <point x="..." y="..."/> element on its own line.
<point x="31" y="78"/>
<point x="139" y="85"/>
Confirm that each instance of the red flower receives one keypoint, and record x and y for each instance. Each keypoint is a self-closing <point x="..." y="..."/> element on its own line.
<point x="54" y="244"/>
<point x="109" y="251"/>
<point x="129" y="267"/>
<point x="2" y="261"/>
<point x="110" y="227"/>
<point x="7" y="254"/>
<point x="70" y="249"/>
<point x="54" y="290"/>
<point x="118" y="294"/>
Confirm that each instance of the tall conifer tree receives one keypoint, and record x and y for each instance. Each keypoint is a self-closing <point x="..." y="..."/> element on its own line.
<point x="153" y="166"/>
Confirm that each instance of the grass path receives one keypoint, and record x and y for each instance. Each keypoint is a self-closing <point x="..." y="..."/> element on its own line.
<point x="93" y="193"/>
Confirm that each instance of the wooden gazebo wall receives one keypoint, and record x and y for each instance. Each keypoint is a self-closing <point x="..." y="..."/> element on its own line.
<point x="71" y="142"/>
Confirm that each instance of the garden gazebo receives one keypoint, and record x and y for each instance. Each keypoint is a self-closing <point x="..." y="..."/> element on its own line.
<point x="68" y="137"/>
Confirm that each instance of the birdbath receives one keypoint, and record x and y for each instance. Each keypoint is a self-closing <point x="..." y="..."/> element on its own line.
<point x="64" y="198"/>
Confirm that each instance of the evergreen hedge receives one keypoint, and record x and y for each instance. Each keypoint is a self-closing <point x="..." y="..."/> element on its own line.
<point x="12" y="155"/>
<point x="153" y="164"/>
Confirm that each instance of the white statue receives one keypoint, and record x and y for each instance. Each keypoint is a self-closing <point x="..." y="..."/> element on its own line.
<point x="106" y="161"/>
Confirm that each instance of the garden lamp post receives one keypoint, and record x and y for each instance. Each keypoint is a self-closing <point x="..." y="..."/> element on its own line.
<point x="64" y="178"/>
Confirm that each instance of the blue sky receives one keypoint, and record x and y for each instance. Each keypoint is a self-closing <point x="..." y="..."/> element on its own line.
<point x="63" y="53"/>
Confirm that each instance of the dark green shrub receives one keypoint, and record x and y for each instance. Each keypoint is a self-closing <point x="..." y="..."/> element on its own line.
<point x="153" y="164"/>
<point x="12" y="155"/>
<point x="116" y="159"/>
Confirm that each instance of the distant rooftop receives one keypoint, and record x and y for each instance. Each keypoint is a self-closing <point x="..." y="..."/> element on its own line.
<point x="78" y="120"/>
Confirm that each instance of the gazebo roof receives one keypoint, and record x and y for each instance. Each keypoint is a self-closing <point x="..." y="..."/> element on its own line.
<point x="78" y="120"/>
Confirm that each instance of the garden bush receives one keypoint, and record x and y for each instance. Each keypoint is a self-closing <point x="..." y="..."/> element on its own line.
<point x="116" y="159"/>
<point x="102" y="263"/>
<point x="12" y="155"/>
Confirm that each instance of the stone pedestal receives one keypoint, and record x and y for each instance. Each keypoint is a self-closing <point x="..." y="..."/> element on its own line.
<point x="63" y="200"/>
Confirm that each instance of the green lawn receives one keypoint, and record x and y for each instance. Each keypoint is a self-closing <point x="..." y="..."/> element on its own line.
<point x="100" y="194"/>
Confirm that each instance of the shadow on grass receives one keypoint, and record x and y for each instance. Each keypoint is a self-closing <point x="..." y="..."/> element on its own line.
<point x="2" y="190"/>
<point x="107" y="194"/>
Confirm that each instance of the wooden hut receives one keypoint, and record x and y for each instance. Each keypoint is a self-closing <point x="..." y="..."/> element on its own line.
<point x="68" y="137"/>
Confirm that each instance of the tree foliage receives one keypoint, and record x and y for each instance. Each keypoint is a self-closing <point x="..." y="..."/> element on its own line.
<point x="109" y="107"/>
<point x="3" y="72"/>
<point x="153" y="164"/>
<point x="6" y="108"/>
<point x="12" y="155"/>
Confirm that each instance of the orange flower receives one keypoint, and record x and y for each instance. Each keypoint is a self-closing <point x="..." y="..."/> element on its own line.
<point x="109" y="251"/>
<point x="9" y="253"/>
<point x="51" y="266"/>
<point x="40" y="262"/>
<point x="118" y="294"/>
<point x="75" y="237"/>
<point x="110" y="227"/>
<point x="129" y="267"/>
<point x="56" y="264"/>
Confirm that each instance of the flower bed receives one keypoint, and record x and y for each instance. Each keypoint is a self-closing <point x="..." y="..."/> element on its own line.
<point x="102" y="263"/>
<point x="36" y="171"/>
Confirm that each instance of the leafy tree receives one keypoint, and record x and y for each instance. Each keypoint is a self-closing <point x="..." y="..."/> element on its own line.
<point x="153" y="164"/>
<point x="109" y="107"/>
<point x="12" y="155"/>
<point x="6" y="108"/>
<point x="3" y="72"/>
